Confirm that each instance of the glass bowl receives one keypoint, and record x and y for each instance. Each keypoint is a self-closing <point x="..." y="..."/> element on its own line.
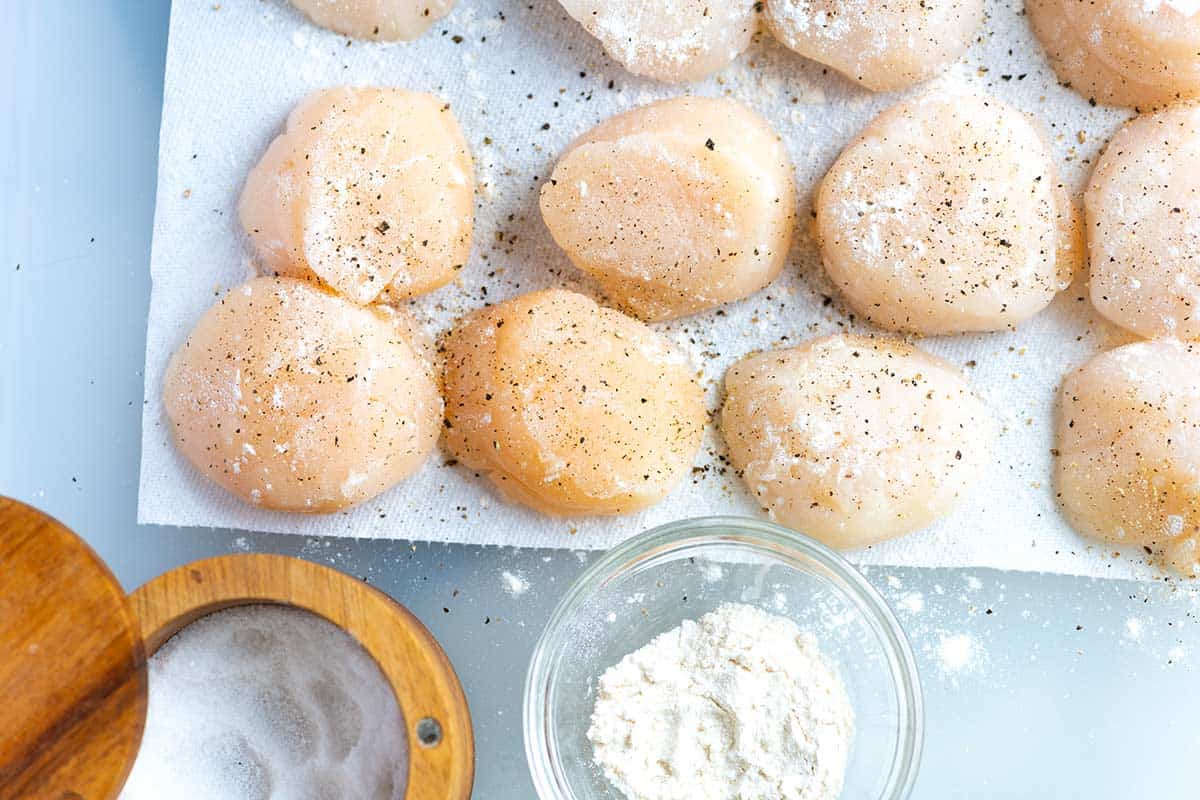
<point x="654" y="581"/>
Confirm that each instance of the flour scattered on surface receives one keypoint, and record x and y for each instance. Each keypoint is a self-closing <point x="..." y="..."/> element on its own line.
<point x="514" y="584"/>
<point x="957" y="652"/>
<point x="737" y="704"/>
<point x="913" y="602"/>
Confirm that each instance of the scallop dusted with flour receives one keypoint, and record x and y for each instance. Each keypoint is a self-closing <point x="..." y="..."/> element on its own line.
<point x="675" y="207"/>
<point x="946" y="215"/>
<point x="883" y="46"/>
<point x="1143" y="213"/>
<point x="854" y="440"/>
<point x="569" y="407"/>
<point x="382" y="20"/>
<point x="668" y="40"/>
<point x="369" y="190"/>
<point x="296" y="400"/>
<point x="1129" y="450"/>
<point x="1137" y="53"/>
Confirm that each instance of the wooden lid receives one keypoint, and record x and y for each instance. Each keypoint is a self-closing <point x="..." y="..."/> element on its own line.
<point x="72" y="665"/>
<point x="73" y="658"/>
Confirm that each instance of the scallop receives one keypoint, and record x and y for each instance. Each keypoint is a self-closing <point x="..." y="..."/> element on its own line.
<point x="675" y="207"/>
<point x="368" y="190"/>
<point x="1137" y="53"/>
<point x="882" y="46"/>
<point x="1129" y="450"/>
<point x="381" y="20"/>
<point x="1143" y="212"/>
<point x="294" y="399"/>
<point x="568" y="407"/>
<point x="946" y="215"/>
<point x="668" y="40"/>
<point x="854" y="440"/>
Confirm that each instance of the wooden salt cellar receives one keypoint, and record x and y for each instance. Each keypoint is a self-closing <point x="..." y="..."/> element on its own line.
<point x="73" y="651"/>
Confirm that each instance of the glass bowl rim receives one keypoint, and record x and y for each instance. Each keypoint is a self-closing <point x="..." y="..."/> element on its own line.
<point x="764" y="537"/>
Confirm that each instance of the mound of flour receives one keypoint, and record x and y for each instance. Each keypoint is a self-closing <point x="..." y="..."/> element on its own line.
<point x="737" y="705"/>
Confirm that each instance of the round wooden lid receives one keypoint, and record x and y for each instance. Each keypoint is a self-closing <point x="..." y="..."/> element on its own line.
<point x="72" y="665"/>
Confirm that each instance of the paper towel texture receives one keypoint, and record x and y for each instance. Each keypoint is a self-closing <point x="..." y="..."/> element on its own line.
<point x="524" y="79"/>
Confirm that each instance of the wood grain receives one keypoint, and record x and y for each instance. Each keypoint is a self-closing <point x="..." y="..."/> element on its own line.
<point x="425" y="684"/>
<point x="72" y="665"/>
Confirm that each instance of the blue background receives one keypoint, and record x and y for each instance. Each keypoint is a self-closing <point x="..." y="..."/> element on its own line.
<point x="1063" y="696"/>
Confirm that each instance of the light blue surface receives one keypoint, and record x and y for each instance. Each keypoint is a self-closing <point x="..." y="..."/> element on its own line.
<point x="1074" y="689"/>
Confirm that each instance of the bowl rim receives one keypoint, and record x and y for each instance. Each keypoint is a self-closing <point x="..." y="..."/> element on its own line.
<point x="763" y="536"/>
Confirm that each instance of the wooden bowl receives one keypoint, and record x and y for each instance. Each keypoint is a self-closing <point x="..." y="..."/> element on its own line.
<point x="73" y="651"/>
<point x="441" y="753"/>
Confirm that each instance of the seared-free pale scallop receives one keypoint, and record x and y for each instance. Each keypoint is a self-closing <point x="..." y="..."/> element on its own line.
<point x="382" y="20"/>
<point x="569" y="407"/>
<point x="883" y="46"/>
<point x="1143" y="213"/>
<point x="852" y="439"/>
<point x="294" y="399"/>
<point x="675" y="207"/>
<point x="669" y="40"/>
<point x="369" y="190"/>
<point x="1138" y="53"/>
<point x="946" y="215"/>
<point x="1129" y="450"/>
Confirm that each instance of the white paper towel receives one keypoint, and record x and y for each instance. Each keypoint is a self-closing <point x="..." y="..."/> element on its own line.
<point x="524" y="80"/>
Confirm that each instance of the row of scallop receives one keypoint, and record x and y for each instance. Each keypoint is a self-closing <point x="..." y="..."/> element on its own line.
<point x="306" y="391"/>
<point x="1137" y="53"/>
<point x="945" y="215"/>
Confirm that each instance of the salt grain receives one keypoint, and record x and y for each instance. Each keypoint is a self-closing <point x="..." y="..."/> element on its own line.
<point x="263" y="702"/>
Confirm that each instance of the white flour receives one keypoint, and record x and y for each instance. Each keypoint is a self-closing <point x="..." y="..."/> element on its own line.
<point x="738" y="705"/>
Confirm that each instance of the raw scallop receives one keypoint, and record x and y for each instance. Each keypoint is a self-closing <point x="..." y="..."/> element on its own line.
<point x="1129" y="450"/>
<point x="383" y="20"/>
<point x="569" y="407"/>
<point x="883" y="46"/>
<point x="946" y="215"/>
<point x="1143" y="212"/>
<point x="854" y="440"/>
<point x="675" y="207"/>
<point x="1139" y="53"/>
<point x="669" y="40"/>
<point x="369" y="190"/>
<point x="296" y="400"/>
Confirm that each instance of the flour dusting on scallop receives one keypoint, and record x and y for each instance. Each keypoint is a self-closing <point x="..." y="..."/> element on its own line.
<point x="946" y="215"/>
<point x="675" y="207"/>
<point x="669" y="40"/>
<point x="1129" y="450"/>
<point x="368" y="190"/>
<point x="855" y="440"/>
<point x="1136" y="53"/>
<point x="883" y="46"/>
<point x="297" y="400"/>
<point x="1143" y="214"/>
<point x="569" y="407"/>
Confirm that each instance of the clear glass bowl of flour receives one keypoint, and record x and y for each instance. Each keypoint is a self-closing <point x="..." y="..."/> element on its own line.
<point x="681" y="571"/>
